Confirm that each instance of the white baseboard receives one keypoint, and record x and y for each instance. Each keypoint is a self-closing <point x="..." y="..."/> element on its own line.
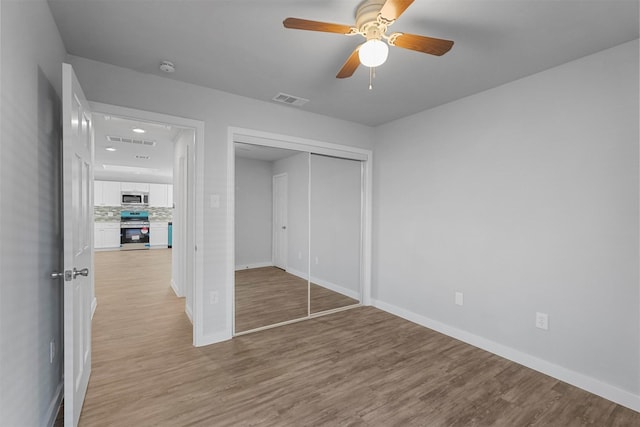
<point x="298" y="273"/>
<point x="254" y="265"/>
<point x="214" y="338"/>
<point x="54" y="406"/>
<point x="189" y="313"/>
<point x="336" y="288"/>
<point x="174" y="286"/>
<point x="592" y="385"/>
<point x="326" y="284"/>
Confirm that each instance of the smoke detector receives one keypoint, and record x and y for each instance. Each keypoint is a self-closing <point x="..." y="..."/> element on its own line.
<point x="167" y="67"/>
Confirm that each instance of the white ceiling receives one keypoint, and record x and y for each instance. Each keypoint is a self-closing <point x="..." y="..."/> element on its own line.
<point x="135" y="159"/>
<point x="241" y="47"/>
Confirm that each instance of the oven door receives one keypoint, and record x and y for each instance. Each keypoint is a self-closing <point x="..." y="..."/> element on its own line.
<point x="134" y="237"/>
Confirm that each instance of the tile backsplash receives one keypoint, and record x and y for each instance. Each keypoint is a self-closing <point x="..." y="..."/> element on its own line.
<point x="112" y="214"/>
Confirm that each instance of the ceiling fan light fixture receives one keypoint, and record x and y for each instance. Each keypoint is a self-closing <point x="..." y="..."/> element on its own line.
<point x="373" y="53"/>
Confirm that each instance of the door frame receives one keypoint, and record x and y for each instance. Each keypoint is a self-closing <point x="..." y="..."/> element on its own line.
<point x="284" y="245"/>
<point x="257" y="137"/>
<point x="195" y="190"/>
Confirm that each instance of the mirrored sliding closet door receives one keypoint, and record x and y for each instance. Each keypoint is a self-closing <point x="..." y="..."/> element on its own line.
<point x="336" y="224"/>
<point x="271" y="236"/>
<point x="298" y="235"/>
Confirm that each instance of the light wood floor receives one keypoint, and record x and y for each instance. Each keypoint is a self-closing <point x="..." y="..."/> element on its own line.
<point x="357" y="367"/>
<point x="269" y="295"/>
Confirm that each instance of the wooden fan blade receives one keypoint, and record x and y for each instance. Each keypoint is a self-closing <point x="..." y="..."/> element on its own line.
<point x="350" y="66"/>
<point x="424" y="44"/>
<point x="392" y="9"/>
<point x="325" y="27"/>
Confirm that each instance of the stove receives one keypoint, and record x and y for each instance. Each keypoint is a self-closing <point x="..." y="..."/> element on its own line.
<point x="134" y="230"/>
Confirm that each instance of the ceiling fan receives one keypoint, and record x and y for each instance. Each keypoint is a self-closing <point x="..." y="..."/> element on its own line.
<point x="373" y="17"/>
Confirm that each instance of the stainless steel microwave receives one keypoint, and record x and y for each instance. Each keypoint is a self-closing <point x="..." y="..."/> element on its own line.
<point x="130" y="198"/>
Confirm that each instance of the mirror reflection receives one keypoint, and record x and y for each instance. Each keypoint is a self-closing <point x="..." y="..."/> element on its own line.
<point x="298" y="235"/>
<point x="271" y="236"/>
<point x="336" y="215"/>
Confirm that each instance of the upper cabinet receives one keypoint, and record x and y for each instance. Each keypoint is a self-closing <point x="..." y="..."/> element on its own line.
<point x="134" y="186"/>
<point x="161" y="195"/>
<point x="106" y="193"/>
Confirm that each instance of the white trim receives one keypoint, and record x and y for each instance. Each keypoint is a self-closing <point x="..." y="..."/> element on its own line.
<point x="254" y="265"/>
<point x="336" y="288"/>
<point x="187" y="311"/>
<point x="230" y="289"/>
<point x="297" y="273"/>
<point x="590" y="384"/>
<point x="175" y="288"/>
<point x="216" y="338"/>
<point x="54" y="405"/>
<point x="198" y="190"/>
<point x="94" y="305"/>
<point x="326" y="284"/>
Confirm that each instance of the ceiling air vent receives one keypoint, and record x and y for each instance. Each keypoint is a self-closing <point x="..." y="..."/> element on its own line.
<point x="290" y="99"/>
<point x="135" y="141"/>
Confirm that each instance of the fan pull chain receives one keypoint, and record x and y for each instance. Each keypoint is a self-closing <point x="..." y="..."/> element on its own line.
<point x="372" y="75"/>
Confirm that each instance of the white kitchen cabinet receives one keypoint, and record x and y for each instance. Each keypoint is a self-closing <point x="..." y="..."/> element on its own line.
<point x="106" y="193"/>
<point x="161" y="195"/>
<point x="106" y="235"/>
<point x="158" y="195"/>
<point x="111" y="193"/>
<point x="159" y="234"/>
<point x="98" y="189"/>
<point x="134" y="186"/>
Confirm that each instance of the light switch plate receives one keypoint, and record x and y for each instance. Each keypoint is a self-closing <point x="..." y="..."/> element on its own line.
<point x="459" y="298"/>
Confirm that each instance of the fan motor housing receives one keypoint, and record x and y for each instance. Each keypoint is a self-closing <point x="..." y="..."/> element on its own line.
<point x="368" y="12"/>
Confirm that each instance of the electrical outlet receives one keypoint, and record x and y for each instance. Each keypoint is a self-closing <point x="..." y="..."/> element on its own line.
<point x="213" y="297"/>
<point x="317" y="261"/>
<point x="542" y="321"/>
<point x="459" y="298"/>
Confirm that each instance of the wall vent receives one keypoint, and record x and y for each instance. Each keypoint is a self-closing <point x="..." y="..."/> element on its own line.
<point x="134" y="141"/>
<point x="290" y="99"/>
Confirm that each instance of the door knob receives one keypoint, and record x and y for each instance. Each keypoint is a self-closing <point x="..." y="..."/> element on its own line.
<point x="83" y="272"/>
<point x="59" y="275"/>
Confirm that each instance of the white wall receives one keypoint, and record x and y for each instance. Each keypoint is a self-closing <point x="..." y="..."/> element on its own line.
<point x="253" y="212"/>
<point x="525" y="198"/>
<point x="219" y="110"/>
<point x="297" y="169"/>
<point x="336" y="190"/>
<point x="30" y="302"/>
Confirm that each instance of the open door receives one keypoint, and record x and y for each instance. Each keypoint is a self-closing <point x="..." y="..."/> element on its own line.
<point x="77" y="166"/>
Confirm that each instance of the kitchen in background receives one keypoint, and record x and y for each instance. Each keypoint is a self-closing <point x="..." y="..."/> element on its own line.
<point x="145" y="222"/>
<point x="133" y="186"/>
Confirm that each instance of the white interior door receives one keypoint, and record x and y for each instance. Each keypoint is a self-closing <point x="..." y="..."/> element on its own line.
<point x="280" y="184"/>
<point x="77" y="167"/>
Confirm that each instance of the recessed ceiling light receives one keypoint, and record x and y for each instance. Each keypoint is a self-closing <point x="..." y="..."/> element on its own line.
<point x="139" y="130"/>
<point x="110" y="149"/>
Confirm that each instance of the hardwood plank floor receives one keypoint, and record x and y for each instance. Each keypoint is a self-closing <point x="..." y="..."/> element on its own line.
<point x="357" y="367"/>
<point x="270" y="295"/>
